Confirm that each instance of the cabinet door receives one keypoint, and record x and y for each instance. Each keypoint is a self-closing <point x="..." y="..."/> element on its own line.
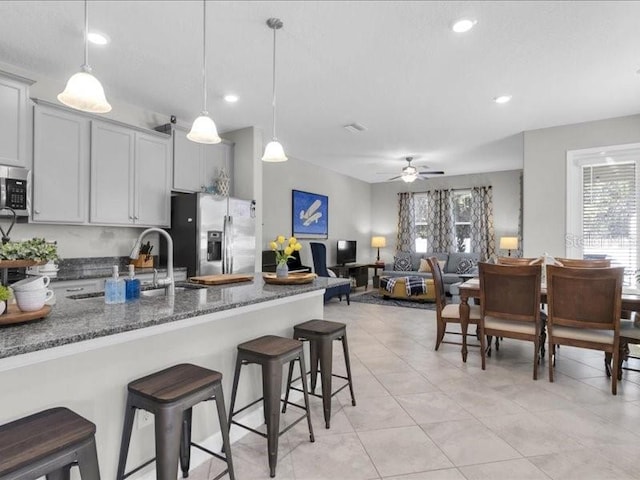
<point x="215" y="157"/>
<point x="13" y="122"/>
<point x="187" y="158"/>
<point x="112" y="174"/>
<point x="60" y="166"/>
<point x="153" y="181"/>
<point x="64" y="288"/>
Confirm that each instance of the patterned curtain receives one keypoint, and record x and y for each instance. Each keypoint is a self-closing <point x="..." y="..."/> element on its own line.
<point x="482" y="235"/>
<point x="440" y="228"/>
<point x="405" y="241"/>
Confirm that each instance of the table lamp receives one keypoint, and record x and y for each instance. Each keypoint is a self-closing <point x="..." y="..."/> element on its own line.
<point x="377" y="242"/>
<point x="509" y="243"/>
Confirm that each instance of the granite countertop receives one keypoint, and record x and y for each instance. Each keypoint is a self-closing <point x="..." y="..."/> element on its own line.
<point x="99" y="267"/>
<point x="72" y="321"/>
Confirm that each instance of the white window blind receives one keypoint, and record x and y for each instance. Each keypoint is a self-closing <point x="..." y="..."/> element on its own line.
<point x="609" y="214"/>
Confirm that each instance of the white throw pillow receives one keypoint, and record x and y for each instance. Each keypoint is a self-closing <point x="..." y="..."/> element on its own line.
<point x="331" y="273"/>
<point x="424" y="266"/>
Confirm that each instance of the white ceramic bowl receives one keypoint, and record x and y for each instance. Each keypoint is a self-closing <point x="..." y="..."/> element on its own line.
<point x="32" y="300"/>
<point x="32" y="283"/>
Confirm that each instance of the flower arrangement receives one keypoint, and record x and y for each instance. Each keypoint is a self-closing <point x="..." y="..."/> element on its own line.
<point x="283" y="248"/>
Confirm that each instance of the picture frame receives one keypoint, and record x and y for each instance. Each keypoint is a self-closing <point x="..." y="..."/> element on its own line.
<point x="309" y="215"/>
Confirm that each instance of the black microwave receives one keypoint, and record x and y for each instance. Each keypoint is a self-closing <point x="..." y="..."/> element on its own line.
<point x="14" y="191"/>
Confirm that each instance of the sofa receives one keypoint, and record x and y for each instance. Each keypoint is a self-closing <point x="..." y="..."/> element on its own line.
<point x="452" y="265"/>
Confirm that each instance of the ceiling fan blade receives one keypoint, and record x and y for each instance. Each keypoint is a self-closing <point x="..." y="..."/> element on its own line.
<point x="426" y="172"/>
<point x="394" y="178"/>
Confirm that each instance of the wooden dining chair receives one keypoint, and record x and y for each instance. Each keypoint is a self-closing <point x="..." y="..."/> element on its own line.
<point x="510" y="304"/>
<point x="447" y="312"/>
<point x="584" y="262"/>
<point x="584" y="311"/>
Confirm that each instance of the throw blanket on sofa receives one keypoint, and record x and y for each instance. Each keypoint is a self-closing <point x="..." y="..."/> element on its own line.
<point x="413" y="285"/>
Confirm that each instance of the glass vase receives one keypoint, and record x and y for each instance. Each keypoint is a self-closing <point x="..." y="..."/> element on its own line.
<point x="282" y="270"/>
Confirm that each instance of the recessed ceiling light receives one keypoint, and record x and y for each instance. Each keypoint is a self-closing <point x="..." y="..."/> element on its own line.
<point x="98" y="38"/>
<point x="463" y="25"/>
<point x="231" y="98"/>
<point x="502" y="99"/>
<point x="355" y="127"/>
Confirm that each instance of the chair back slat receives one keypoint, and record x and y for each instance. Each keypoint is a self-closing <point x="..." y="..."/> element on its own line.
<point x="519" y="261"/>
<point x="511" y="292"/>
<point x="585" y="297"/>
<point x="438" y="283"/>
<point x="585" y="262"/>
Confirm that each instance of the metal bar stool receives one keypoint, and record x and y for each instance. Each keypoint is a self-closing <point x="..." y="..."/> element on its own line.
<point x="48" y="443"/>
<point x="321" y="334"/>
<point x="271" y="353"/>
<point x="170" y="395"/>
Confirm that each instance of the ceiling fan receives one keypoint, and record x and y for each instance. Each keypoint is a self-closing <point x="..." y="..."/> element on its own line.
<point x="410" y="173"/>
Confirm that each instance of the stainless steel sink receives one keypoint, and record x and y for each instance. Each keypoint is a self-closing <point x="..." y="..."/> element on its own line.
<point x="161" y="292"/>
<point x="145" y="292"/>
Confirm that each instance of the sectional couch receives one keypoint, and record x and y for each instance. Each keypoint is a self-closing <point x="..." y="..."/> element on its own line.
<point x="452" y="265"/>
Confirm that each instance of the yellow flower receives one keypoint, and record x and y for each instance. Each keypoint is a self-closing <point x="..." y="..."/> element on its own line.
<point x="297" y="247"/>
<point x="273" y="245"/>
<point x="288" y="251"/>
<point x="292" y="241"/>
<point x="280" y="239"/>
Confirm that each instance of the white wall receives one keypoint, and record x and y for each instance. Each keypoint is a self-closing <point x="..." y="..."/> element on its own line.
<point x="545" y="176"/>
<point x="349" y="206"/>
<point x="506" y="203"/>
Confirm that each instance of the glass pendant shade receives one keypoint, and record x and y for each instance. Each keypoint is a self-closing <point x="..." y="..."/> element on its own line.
<point x="274" y="152"/>
<point x="409" y="178"/>
<point x="204" y="130"/>
<point x="84" y="92"/>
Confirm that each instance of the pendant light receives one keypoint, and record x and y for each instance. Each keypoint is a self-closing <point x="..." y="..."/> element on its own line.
<point x="204" y="129"/>
<point x="274" y="152"/>
<point x="84" y="91"/>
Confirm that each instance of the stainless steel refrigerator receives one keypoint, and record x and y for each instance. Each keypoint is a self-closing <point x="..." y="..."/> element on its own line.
<point x="213" y="235"/>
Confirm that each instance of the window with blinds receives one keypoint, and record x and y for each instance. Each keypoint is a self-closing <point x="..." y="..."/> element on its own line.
<point x="609" y="214"/>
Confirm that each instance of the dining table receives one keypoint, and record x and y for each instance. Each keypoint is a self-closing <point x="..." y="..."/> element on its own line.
<point x="470" y="289"/>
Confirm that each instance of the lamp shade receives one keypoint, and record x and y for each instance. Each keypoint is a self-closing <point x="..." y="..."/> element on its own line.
<point x="84" y="92"/>
<point x="378" y="242"/>
<point x="509" y="243"/>
<point x="274" y="152"/>
<point x="204" y="130"/>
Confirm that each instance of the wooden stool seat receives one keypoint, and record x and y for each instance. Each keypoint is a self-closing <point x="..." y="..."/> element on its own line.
<point x="271" y="353"/>
<point x="320" y="334"/>
<point x="320" y="327"/>
<point x="270" y="346"/>
<point x="174" y="383"/>
<point x="170" y="396"/>
<point x="42" y="438"/>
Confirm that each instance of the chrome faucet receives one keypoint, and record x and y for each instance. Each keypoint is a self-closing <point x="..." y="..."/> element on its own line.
<point x="168" y="282"/>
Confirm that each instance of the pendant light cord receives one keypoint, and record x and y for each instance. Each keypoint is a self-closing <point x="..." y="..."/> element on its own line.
<point x="86" y="66"/>
<point x="274" y="83"/>
<point x="204" y="54"/>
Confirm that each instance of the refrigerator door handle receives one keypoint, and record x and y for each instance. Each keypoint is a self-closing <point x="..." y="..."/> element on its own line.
<point x="224" y="245"/>
<point x="229" y="246"/>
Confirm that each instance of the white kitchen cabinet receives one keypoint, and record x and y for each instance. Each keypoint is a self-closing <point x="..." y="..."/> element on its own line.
<point x="60" y="166"/>
<point x="196" y="165"/>
<point x="14" y="97"/>
<point x="130" y="176"/>
<point x="64" y="288"/>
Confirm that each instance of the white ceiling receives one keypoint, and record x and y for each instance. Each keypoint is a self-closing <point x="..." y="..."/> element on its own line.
<point x="395" y="67"/>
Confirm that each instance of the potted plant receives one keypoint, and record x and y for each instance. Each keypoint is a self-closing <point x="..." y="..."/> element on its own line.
<point x="5" y="294"/>
<point x="36" y="249"/>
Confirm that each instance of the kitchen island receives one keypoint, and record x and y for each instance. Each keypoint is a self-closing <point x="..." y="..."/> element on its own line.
<point x="85" y="352"/>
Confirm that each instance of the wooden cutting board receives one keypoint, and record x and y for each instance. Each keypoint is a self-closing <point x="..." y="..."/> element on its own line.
<point x="222" y="279"/>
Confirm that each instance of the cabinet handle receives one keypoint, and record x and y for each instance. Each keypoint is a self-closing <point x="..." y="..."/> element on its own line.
<point x="37" y="212"/>
<point x="130" y="217"/>
<point x="75" y="289"/>
<point x="136" y="217"/>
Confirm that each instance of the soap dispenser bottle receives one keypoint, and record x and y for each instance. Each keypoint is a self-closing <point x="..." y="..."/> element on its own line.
<point x="114" y="288"/>
<point x="132" y="284"/>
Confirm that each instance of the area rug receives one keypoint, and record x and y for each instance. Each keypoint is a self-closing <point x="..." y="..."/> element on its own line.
<point x="375" y="298"/>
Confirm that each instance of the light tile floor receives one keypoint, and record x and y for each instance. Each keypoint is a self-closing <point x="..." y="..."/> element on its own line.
<point x="425" y="415"/>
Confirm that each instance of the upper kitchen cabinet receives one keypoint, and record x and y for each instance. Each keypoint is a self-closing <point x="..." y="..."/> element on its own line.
<point x="196" y="165"/>
<point x="130" y="176"/>
<point x="14" y="97"/>
<point x="60" y="166"/>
